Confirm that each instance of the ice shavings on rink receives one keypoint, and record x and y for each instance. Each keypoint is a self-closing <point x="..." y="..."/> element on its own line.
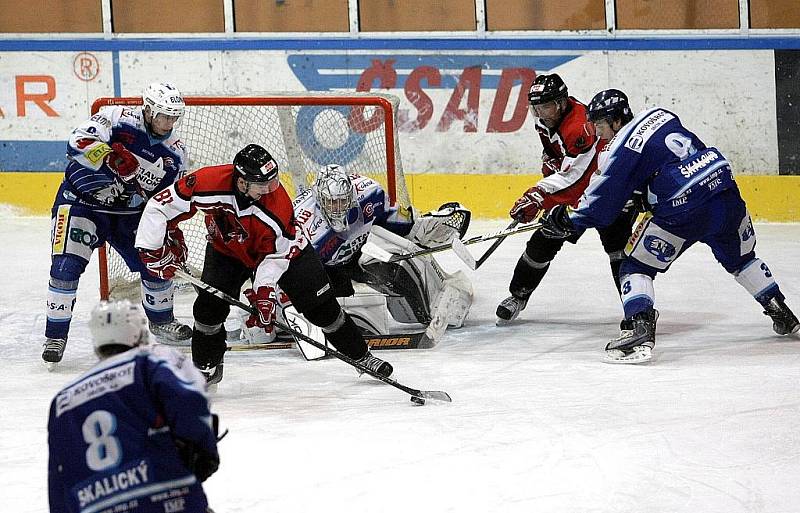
<point x="537" y="422"/>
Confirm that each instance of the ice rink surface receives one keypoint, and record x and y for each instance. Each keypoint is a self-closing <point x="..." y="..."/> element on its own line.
<point x="537" y="424"/>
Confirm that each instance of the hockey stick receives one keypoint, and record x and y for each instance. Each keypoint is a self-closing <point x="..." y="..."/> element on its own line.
<point x="377" y="252"/>
<point x="437" y="395"/>
<point x="463" y="253"/>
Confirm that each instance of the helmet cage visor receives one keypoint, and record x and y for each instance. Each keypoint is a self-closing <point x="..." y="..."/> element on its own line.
<point x="334" y="194"/>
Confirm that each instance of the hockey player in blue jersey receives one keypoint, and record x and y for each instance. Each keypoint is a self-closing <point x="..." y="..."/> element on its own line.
<point x="118" y="159"/>
<point x="135" y="432"/>
<point x="693" y="198"/>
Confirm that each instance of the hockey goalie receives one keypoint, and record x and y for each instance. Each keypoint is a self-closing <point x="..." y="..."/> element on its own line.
<point x="340" y="212"/>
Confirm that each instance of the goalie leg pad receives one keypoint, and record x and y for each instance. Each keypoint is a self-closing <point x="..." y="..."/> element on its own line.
<point x="339" y="328"/>
<point x="404" y="281"/>
<point x="369" y="312"/>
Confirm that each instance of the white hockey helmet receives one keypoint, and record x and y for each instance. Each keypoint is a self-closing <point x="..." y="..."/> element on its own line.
<point x="163" y="98"/>
<point x="333" y="191"/>
<point x="117" y="323"/>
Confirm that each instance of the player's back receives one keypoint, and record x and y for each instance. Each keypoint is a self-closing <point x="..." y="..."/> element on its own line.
<point x="684" y="171"/>
<point x="109" y="442"/>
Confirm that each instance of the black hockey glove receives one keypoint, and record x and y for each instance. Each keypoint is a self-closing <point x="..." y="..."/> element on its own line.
<point x="200" y="462"/>
<point x="556" y="223"/>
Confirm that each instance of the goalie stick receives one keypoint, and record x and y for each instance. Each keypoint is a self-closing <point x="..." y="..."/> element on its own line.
<point x="437" y="395"/>
<point x="463" y="253"/>
<point x="381" y="254"/>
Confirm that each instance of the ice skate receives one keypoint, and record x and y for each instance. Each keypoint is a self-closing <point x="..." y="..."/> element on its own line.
<point x="172" y="333"/>
<point x="53" y="351"/>
<point x="636" y="340"/>
<point x="213" y="376"/>
<point x="784" y="321"/>
<point x="509" y="309"/>
<point x="376" y="365"/>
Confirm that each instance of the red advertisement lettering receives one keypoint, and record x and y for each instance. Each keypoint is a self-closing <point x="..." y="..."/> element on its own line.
<point x="469" y="83"/>
<point x="509" y="78"/>
<point x="40" y="99"/>
<point x="386" y="76"/>
<point x="421" y="101"/>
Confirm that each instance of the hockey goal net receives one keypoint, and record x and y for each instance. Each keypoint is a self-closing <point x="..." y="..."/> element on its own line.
<point x="303" y="133"/>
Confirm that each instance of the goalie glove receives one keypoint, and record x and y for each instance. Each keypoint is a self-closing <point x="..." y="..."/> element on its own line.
<point x="123" y="162"/>
<point x="266" y="306"/>
<point x="164" y="261"/>
<point x="441" y="226"/>
<point x="528" y="206"/>
<point x="556" y="223"/>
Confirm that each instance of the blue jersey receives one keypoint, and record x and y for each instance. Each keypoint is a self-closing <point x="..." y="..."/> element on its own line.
<point x="90" y="182"/>
<point x="654" y="153"/>
<point x="111" y="435"/>
<point x="372" y="208"/>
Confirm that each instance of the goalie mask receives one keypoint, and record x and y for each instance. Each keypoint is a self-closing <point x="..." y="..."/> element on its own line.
<point x="333" y="191"/>
<point x="117" y="323"/>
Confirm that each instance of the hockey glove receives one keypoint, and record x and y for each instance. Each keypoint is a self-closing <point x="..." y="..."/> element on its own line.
<point x="550" y="165"/>
<point x="164" y="261"/>
<point x="266" y="307"/>
<point x="556" y="223"/>
<point x="528" y="206"/>
<point x="441" y="226"/>
<point x="123" y="162"/>
<point x="201" y="463"/>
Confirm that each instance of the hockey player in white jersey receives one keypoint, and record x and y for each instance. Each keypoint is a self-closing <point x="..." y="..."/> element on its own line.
<point x="341" y="211"/>
<point x="118" y="159"/>
<point x="693" y="198"/>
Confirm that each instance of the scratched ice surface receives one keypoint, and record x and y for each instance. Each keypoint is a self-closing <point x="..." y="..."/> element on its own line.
<point x="538" y="422"/>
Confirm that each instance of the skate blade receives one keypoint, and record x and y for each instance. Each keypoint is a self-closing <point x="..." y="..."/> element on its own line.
<point x="164" y="341"/>
<point x="640" y="354"/>
<point x="51" y="366"/>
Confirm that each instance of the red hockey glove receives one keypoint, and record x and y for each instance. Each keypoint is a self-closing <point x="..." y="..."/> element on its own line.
<point x="266" y="307"/>
<point x="528" y="206"/>
<point x="550" y="165"/>
<point x="123" y="162"/>
<point x="164" y="261"/>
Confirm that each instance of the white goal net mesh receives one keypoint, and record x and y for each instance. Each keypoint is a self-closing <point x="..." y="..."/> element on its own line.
<point x="302" y="132"/>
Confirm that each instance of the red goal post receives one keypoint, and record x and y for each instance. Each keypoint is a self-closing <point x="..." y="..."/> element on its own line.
<point x="302" y="131"/>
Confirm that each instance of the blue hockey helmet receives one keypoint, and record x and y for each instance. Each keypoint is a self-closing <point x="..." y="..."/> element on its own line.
<point x="611" y="104"/>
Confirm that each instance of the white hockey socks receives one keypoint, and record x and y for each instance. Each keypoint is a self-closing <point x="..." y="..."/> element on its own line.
<point x="637" y="290"/>
<point x="157" y="300"/>
<point x="756" y="278"/>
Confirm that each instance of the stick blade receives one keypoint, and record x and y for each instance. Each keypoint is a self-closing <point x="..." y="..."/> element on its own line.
<point x="463" y="253"/>
<point x="436" y="395"/>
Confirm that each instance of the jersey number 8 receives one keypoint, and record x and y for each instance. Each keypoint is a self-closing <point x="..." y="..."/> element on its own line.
<point x="104" y="450"/>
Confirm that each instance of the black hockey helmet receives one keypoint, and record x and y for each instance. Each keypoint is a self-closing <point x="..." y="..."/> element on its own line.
<point x="612" y="104"/>
<point x="546" y="88"/>
<point x="255" y="164"/>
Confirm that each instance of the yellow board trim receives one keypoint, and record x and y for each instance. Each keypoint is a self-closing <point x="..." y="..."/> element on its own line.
<point x="769" y="197"/>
